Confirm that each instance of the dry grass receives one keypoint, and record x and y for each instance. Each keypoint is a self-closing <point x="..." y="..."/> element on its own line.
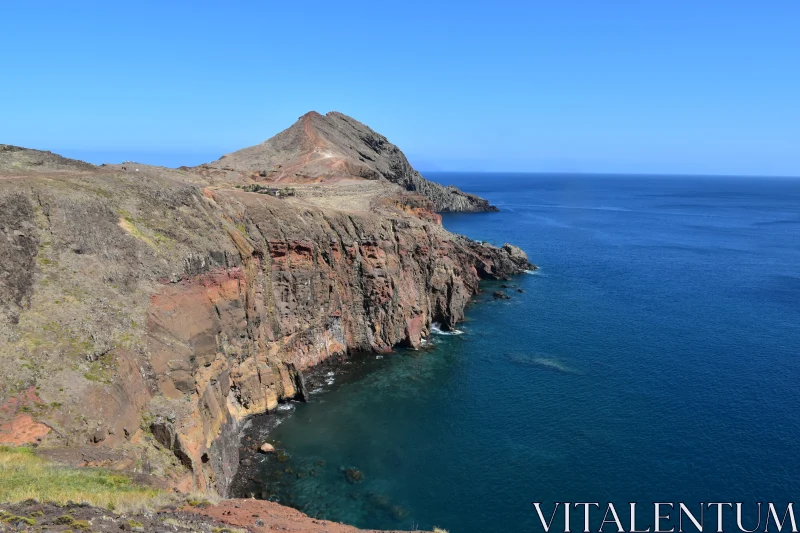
<point x="24" y="475"/>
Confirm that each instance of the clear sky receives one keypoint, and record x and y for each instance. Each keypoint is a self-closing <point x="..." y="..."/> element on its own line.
<point x="698" y="86"/>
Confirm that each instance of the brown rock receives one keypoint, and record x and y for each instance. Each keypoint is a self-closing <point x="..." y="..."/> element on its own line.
<point x="173" y="298"/>
<point x="22" y="430"/>
<point x="99" y="435"/>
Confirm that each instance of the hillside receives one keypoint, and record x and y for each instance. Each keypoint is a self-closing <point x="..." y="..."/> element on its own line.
<point x="325" y="148"/>
<point x="146" y="312"/>
<point x="18" y="159"/>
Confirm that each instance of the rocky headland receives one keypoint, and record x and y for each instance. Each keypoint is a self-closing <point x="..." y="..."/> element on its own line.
<point x="146" y="312"/>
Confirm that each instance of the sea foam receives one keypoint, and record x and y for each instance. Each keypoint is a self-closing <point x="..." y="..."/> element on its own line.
<point x="436" y="329"/>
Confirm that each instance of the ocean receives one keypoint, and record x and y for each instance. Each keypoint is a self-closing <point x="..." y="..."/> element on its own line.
<point x="654" y="356"/>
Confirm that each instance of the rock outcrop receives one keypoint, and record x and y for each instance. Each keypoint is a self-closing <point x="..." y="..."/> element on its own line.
<point x="335" y="146"/>
<point x="151" y="315"/>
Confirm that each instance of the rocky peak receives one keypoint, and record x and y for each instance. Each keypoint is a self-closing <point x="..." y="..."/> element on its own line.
<point x="335" y="146"/>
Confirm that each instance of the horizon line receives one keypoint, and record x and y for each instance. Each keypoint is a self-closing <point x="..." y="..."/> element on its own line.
<point x="421" y="170"/>
<point x="625" y="174"/>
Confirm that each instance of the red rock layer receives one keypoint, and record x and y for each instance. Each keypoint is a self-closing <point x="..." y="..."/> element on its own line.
<point x="308" y="285"/>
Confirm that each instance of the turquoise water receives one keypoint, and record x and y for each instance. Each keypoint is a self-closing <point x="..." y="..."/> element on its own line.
<point x="653" y="357"/>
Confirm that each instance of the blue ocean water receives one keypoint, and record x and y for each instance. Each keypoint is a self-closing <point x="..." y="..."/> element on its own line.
<point x="653" y="357"/>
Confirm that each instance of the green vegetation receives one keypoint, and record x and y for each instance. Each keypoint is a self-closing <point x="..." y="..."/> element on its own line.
<point x="272" y="191"/>
<point x="67" y="520"/>
<point x="13" y="519"/>
<point x="139" y="229"/>
<point x="24" y="475"/>
<point x="99" y="372"/>
<point x="201" y="499"/>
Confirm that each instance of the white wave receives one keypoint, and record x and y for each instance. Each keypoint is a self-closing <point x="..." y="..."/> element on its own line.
<point x="532" y="272"/>
<point x="330" y="381"/>
<point x="378" y="357"/>
<point x="436" y="329"/>
<point x="285" y="407"/>
<point x="317" y="390"/>
<point x="330" y="374"/>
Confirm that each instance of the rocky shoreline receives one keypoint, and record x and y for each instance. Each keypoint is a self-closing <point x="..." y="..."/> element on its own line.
<point x="148" y="312"/>
<point x="256" y="430"/>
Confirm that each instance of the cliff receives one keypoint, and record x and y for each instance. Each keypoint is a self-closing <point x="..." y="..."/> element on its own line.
<point x="145" y="313"/>
<point x="334" y="147"/>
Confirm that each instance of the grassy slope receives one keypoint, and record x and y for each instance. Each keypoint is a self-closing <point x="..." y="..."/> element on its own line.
<point x="23" y="476"/>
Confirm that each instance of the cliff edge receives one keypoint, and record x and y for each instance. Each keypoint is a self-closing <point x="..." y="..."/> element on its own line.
<point x="146" y="312"/>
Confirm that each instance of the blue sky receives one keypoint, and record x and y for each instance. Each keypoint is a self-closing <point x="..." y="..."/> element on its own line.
<point x="709" y="87"/>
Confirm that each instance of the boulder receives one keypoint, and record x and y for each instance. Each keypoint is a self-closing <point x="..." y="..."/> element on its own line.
<point x="354" y="475"/>
<point x="267" y="448"/>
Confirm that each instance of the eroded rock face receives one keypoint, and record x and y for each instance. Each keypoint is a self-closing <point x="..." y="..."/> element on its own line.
<point x="308" y="285"/>
<point x="19" y="243"/>
<point x="153" y="316"/>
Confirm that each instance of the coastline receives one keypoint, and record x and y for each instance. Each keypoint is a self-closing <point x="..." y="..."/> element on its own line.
<point x="174" y="304"/>
<point x="300" y="468"/>
<point x="258" y="428"/>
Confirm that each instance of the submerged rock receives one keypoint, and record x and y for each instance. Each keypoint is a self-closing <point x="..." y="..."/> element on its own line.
<point x="500" y="295"/>
<point x="398" y="512"/>
<point x="378" y="500"/>
<point x="354" y="475"/>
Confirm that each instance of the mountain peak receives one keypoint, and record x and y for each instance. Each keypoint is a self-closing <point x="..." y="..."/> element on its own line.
<point x="312" y="114"/>
<point x="332" y="147"/>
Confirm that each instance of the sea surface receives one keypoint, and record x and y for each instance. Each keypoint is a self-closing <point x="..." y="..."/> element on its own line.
<point x="654" y="356"/>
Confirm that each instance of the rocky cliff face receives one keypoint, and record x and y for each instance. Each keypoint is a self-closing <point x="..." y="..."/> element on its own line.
<point x="145" y="318"/>
<point x="307" y="286"/>
<point x="335" y="146"/>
